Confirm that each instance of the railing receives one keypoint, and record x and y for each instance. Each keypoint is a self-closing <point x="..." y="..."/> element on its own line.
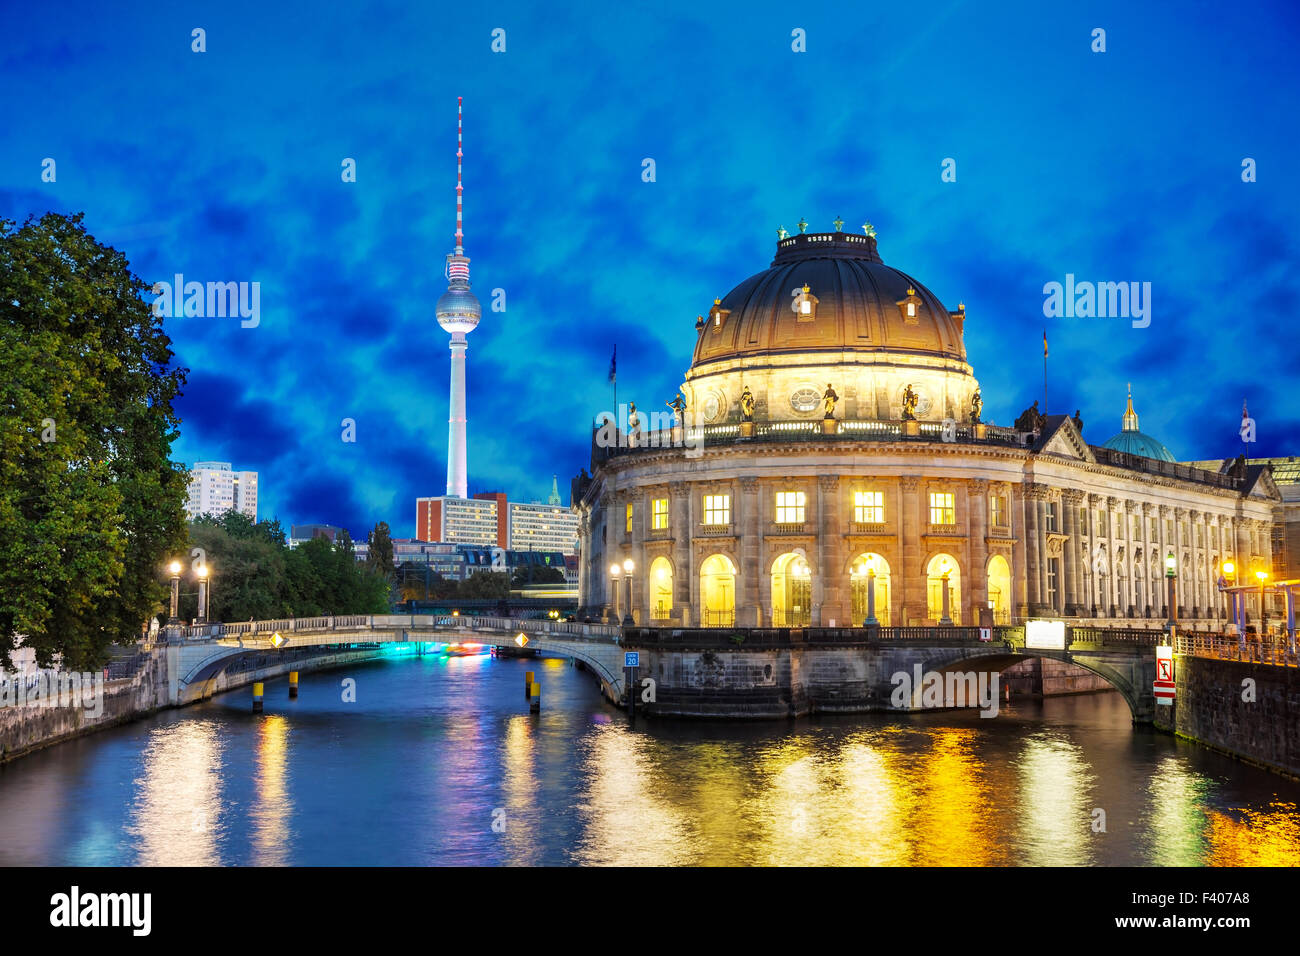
<point x="261" y="631"/>
<point x="1227" y="647"/>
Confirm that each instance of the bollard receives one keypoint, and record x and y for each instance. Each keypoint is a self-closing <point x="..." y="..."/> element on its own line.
<point x="257" y="698"/>
<point x="528" y="683"/>
<point x="535" y="699"/>
<point x="293" y="684"/>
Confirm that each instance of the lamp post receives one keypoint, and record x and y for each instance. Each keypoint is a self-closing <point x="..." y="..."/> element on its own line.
<point x="1227" y="575"/>
<point x="175" y="569"/>
<point x="1171" y="567"/>
<point x="628" y="568"/>
<point x="202" y="572"/>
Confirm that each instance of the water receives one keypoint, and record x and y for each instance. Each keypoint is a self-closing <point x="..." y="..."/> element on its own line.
<point x="435" y="751"/>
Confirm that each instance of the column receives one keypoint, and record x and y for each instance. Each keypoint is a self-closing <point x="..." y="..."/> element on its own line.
<point x="1020" y="550"/>
<point x="1096" y="534"/>
<point x="1040" y="510"/>
<point x="685" y="581"/>
<point x="613" y="536"/>
<point x="909" y="579"/>
<point x="1070" y="499"/>
<point x="828" y="585"/>
<point x="749" y="602"/>
<point x="1033" y="550"/>
<point x="1197" y="597"/>
<point x="1185" y="580"/>
<point x="977" y="504"/>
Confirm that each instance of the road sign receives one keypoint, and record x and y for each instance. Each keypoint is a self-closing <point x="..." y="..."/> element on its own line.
<point x="1164" y="670"/>
<point x="631" y="658"/>
<point x="986" y="633"/>
<point x="1164" y="693"/>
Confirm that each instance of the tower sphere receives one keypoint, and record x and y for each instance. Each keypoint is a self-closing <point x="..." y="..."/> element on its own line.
<point x="458" y="310"/>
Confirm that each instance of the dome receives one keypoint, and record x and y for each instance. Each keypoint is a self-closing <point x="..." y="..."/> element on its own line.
<point x="1131" y="441"/>
<point x="858" y="304"/>
<point x="828" y="314"/>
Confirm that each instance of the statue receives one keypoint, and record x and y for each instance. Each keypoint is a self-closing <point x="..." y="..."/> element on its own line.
<point x="633" y="420"/>
<point x="747" y="405"/>
<point x="1030" y="420"/>
<point x="910" y="400"/>
<point x="678" y="405"/>
<point x="829" y="398"/>
<point x="1078" y="422"/>
<point x="976" y="406"/>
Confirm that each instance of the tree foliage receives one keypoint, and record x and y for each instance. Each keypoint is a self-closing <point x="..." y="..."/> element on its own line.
<point x="90" y="502"/>
<point x="255" y="575"/>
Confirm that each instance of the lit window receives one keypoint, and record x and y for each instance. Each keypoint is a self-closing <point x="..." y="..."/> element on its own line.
<point x="942" y="510"/>
<point x="911" y="308"/>
<point x="629" y="519"/>
<point x="869" y="507"/>
<point x="999" y="509"/>
<point x="789" y="507"/>
<point x="1050" y="514"/>
<point x="659" y="514"/>
<point x="717" y="509"/>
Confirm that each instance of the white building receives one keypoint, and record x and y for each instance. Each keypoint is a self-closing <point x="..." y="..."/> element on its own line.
<point x="215" y="489"/>
<point x="537" y="527"/>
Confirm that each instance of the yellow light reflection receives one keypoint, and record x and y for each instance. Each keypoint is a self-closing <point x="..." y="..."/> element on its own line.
<point x="521" y="786"/>
<point x="274" y="806"/>
<point x="1053" y="803"/>
<point x="1259" y="838"/>
<point x="176" y="816"/>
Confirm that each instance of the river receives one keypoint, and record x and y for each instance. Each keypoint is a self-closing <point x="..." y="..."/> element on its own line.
<point x="437" y="761"/>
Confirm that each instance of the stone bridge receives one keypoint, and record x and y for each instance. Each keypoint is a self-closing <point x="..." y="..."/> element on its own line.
<point x="198" y="655"/>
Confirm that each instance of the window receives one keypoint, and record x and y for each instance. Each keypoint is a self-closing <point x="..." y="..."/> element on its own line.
<point x="659" y="514"/>
<point x="869" y="507"/>
<point x="1169" y="530"/>
<point x="629" y="519"/>
<point x="941" y="508"/>
<point x="1050" y="514"/>
<point x="1053" y="571"/>
<point x="998" y="508"/>
<point x="717" y="509"/>
<point x="789" y="507"/>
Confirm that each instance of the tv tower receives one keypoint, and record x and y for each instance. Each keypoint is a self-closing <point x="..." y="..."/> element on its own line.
<point x="458" y="313"/>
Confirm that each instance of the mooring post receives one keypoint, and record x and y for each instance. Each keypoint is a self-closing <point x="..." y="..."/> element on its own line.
<point x="257" y="698"/>
<point x="535" y="698"/>
<point x="528" y="683"/>
<point x="293" y="684"/>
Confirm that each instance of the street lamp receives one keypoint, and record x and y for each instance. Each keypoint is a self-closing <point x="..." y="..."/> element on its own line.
<point x="1171" y="567"/>
<point x="202" y="572"/>
<point x="175" y="569"/>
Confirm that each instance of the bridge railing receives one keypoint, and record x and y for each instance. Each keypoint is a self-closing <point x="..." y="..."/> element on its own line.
<point x="1229" y="647"/>
<point x="261" y="631"/>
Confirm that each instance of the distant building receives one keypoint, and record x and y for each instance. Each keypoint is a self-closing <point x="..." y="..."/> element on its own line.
<point x="215" y="489"/>
<point x="300" y="533"/>
<point x="489" y="519"/>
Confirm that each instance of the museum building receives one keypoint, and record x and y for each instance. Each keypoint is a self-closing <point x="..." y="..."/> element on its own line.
<point x="832" y="468"/>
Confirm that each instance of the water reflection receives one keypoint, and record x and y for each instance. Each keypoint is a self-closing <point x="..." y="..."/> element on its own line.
<point x="273" y="808"/>
<point x="176" y="815"/>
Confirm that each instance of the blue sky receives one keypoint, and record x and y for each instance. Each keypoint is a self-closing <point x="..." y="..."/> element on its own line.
<point x="225" y="166"/>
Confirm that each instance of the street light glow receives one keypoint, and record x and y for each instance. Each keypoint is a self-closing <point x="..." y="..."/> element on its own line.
<point x="174" y="568"/>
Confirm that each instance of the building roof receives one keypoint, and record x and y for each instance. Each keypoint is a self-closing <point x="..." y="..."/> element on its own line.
<point x="1132" y="441"/>
<point x="859" y="305"/>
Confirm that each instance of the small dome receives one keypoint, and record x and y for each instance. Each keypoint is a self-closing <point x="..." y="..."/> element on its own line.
<point x="1131" y="441"/>
<point x="458" y="310"/>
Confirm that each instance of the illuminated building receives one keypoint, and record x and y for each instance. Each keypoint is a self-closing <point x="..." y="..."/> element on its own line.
<point x="215" y="489"/>
<point x="902" y="495"/>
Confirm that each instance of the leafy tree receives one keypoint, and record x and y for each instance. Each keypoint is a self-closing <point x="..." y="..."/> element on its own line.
<point x="485" y="584"/>
<point x="380" y="555"/>
<point x="90" y="502"/>
<point x="542" y="574"/>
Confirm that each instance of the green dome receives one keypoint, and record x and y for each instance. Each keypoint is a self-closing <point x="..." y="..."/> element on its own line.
<point x="1137" y="443"/>
<point x="1131" y="441"/>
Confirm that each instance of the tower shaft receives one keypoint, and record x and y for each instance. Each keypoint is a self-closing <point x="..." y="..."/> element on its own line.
<point x="457" y="455"/>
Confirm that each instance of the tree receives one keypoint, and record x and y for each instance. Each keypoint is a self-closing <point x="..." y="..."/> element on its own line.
<point x="380" y="555"/>
<point x="541" y="574"/>
<point x="90" y="503"/>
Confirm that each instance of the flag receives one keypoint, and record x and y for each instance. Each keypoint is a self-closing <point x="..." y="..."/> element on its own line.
<point x="1044" y="343"/>
<point x="613" y="364"/>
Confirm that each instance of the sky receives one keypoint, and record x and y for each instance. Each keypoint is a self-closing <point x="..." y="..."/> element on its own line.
<point x="226" y="165"/>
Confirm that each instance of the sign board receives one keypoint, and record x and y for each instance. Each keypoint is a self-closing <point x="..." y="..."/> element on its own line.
<point x="986" y="633"/>
<point x="1047" y="635"/>
<point x="631" y="658"/>
<point x="1163" y="687"/>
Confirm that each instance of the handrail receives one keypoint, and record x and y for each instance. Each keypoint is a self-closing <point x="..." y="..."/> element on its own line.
<point x="260" y="632"/>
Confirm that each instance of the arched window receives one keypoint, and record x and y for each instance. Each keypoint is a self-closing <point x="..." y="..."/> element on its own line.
<point x="1000" y="589"/>
<point x="717" y="592"/>
<point x="791" y="591"/>
<point x="661" y="589"/>
<point x="941" y="572"/>
<point x="870" y="571"/>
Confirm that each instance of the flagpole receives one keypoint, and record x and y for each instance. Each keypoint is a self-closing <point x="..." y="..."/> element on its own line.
<point x="1044" y="371"/>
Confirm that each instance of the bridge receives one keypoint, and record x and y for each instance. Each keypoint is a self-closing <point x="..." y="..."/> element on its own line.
<point x="838" y="669"/>
<point x="199" y="654"/>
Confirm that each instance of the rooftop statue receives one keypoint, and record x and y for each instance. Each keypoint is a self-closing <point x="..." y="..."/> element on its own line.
<point x="678" y="405"/>
<point x="910" y="400"/>
<point x="976" y="406"/>
<point x="829" y="398"/>
<point x="747" y="405"/>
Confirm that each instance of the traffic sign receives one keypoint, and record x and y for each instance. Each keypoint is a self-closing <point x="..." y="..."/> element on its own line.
<point x="1164" y="670"/>
<point x="986" y="633"/>
<point x="631" y="658"/>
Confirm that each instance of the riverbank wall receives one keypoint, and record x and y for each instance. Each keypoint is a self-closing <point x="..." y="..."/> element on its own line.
<point x="34" y="724"/>
<point x="1246" y="709"/>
